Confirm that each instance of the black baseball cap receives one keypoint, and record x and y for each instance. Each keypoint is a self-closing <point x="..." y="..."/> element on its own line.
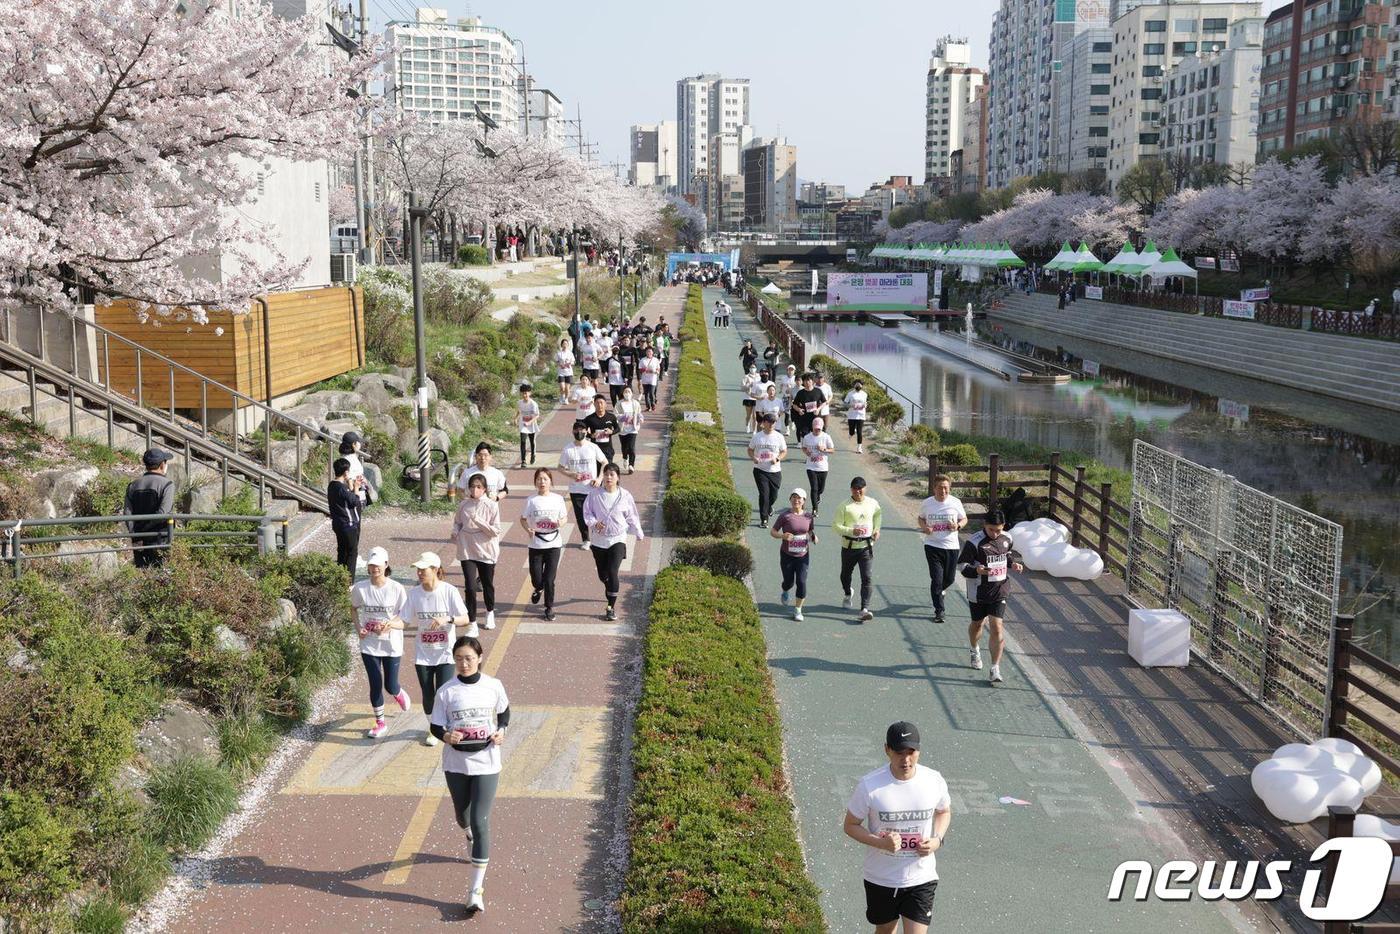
<point x="902" y="735"/>
<point x="154" y="457"/>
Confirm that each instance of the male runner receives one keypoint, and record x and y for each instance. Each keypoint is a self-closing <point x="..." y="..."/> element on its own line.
<point x="857" y="521"/>
<point x="987" y="558"/>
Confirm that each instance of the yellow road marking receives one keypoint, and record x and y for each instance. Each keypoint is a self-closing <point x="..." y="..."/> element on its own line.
<point x="507" y="633"/>
<point x="412" y="842"/>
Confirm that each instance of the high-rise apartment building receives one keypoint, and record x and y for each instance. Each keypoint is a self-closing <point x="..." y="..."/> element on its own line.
<point x="1325" y="64"/>
<point x="724" y="193"/>
<point x="948" y="99"/>
<point x="1029" y="40"/>
<point x="1082" y="85"/>
<point x="770" y="184"/>
<point x="1211" y="111"/>
<point x="1148" y="40"/>
<point x="654" y="153"/>
<point x="546" y="115"/>
<point x="968" y="163"/>
<point x="440" y="68"/>
<point x="706" y="105"/>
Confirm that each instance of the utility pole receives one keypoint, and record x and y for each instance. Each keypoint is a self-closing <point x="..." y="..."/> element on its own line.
<point x="578" y="274"/>
<point x="420" y="341"/>
<point x="367" y="251"/>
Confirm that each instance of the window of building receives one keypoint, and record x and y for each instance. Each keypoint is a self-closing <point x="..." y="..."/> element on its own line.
<point x="1098" y="110"/>
<point x="1098" y="89"/>
<point x="1151" y="94"/>
<point x="1218" y="24"/>
<point x="1155" y="48"/>
<point x="1155" y="25"/>
<point x="1183" y="48"/>
<point x="1152" y="71"/>
<point x="1148" y="139"/>
<point x="1102" y="47"/>
<point x="1184" y="25"/>
<point x="1102" y="68"/>
<point x="1098" y="131"/>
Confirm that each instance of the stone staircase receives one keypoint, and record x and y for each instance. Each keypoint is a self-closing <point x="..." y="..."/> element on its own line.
<point x="1349" y="368"/>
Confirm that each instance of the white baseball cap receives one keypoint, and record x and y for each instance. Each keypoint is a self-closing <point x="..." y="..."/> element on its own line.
<point x="798" y="491"/>
<point x="378" y="556"/>
<point x="428" y="559"/>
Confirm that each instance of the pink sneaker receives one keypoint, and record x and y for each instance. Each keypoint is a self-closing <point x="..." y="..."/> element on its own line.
<point x="378" y="730"/>
<point x="404" y="701"/>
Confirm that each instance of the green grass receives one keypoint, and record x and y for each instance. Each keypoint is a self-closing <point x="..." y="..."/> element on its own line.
<point x="714" y="840"/>
<point x="189" y="799"/>
<point x="245" y="742"/>
<point x="102" y="915"/>
<point x="1301" y="287"/>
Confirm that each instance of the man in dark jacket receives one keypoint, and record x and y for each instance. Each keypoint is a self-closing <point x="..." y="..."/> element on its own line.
<point x="344" y="503"/>
<point x="151" y="494"/>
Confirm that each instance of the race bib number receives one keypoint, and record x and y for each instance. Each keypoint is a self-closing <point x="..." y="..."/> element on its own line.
<point x="528" y="419"/>
<point x="940" y="524"/>
<point x="861" y="531"/>
<point x="996" y="568"/>
<point x="602" y="436"/>
<point x="812" y="407"/>
<point x="858" y="408"/>
<point x="629" y="421"/>
<point x="585" y="476"/>
<point x="909" y="844"/>
<point x="474" y="727"/>
<point x="434" y="637"/>
<point x="797" y="546"/>
<point x="546" y="524"/>
<point x="764" y="456"/>
<point x="819" y="461"/>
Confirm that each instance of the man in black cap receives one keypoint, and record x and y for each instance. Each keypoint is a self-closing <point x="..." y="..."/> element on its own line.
<point x="901" y="812"/>
<point x="153" y="493"/>
<point x="344" y="505"/>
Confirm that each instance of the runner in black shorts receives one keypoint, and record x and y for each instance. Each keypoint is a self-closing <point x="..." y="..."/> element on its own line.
<point x="987" y="559"/>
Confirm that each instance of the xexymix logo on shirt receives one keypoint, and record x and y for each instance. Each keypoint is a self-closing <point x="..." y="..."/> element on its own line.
<point x="898" y="817"/>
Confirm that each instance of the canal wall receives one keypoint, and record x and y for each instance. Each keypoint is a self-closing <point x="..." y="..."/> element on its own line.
<point x="1349" y="368"/>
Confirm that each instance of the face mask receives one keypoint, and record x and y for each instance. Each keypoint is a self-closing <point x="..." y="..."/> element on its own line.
<point x="578" y="436"/>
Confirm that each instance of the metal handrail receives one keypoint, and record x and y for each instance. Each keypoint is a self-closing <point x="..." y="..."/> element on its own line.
<point x="914" y="407"/>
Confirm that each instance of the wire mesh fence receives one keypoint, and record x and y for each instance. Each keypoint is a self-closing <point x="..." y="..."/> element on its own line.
<point x="1258" y="578"/>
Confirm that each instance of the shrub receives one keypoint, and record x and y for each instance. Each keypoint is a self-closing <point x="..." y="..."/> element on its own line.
<point x="719" y="556"/>
<point x="922" y="440"/>
<point x="881" y="409"/>
<point x="317" y="585"/>
<point x="449" y="298"/>
<point x="472" y="254"/>
<point x="704" y="512"/>
<point x="246" y="739"/>
<point x="189" y="799"/>
<point x="959" y="455"/>
<point x="36" y="866"/>
<point x="63" y="740"/>
<point x="213" y="548"/>
<point x="388" y="316"/>
<point x="140" y="871"/>
<point x="104" y="496"/>
<point x="102" y="915"/>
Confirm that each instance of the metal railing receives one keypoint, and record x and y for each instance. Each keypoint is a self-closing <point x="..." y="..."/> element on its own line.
<point x="266" y="534"/>
<point x="912" y="408"/>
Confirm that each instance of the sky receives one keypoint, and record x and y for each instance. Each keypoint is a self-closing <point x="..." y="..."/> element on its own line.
<point x="844" y="82"/>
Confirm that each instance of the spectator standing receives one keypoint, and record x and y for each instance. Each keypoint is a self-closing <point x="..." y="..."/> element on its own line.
<point x="152" y="494"/>
<point x="344" y="504"/>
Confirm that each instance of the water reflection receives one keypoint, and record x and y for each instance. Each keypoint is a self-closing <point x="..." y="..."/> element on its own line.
<point x="1338" y="459"/>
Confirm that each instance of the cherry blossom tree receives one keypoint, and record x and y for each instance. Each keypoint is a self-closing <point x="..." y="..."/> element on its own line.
<point x="1281" y="202"/>
<point x="1198" y="219"/>
<point x="1359" y="223"/>
<point x="134" y="129"/>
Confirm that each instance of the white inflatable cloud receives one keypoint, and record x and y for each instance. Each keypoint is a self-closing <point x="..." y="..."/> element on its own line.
<point x="1299" y="782"/>
<point x="1044" y="546"/>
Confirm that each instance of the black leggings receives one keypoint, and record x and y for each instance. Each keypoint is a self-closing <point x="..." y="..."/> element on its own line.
<point x="608" y="454"/>
<point x="578" y="499"/>
<point x="649" y="395"/>
<point x="347" y="547"/>
<point x="544" y="566"/>
<point x="942" y="573"/>
<point x="609" y="562"/>
<point x="472" y="797"/>
<point x="855" y="428"/>
<point x="615" y="393"/>
<point x="523" y="443"/>
<point x="430" y="679"/>
<point x="851" y="558"/>
<point x="383" y="673"/>
<point x="629" y="450"/>
<point x="794" y="571"/>
<point x="486" y="573"/>
<point x="768" y="485"/>
<point x="816" y="486"/>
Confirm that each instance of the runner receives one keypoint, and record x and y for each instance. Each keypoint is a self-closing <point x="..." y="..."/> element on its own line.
<point x="746" y="386"/>
<point x="477" y="532"/>
<point x="798" y="533"/>
<point x="767" y="449"/>
<point x="583" y="396"/>
<point x="855" y="403"/>
<point x="543" y="519"/>
<point x="818" y="447"/>
<point x="649" y="368"/>
<point x="788" y="384"/>
<point x="858" y="524"/>
<point x="379" y="602"/>
<point x="748" y="356"/>
<point x="827" y="392"/>
<point x="770" y="403"/>
<point x="564" y="369"/>
<point x="527" y="419"/>
<point x="436" y="608"/>
<point x="628" y="355"/>
<point x="724" y="313"/>
<point x="663" y="347"/>
<point x="496" y="486"/>
<point x="616" y="378"/>
<point x="901" y="811"/>
<point x="719" y="315"/>
<point x="940" y="518"/>
<point x="602" y="425"/>
<point x="611" y="512"/>
<point x="806" y="404"/>
<point x="581" y="462"/>
<point x="470" y="716"/>
<point x="986" y="559"/>
<point x="630" y="417"/>
<point x="771" y="356"/>
<point x="589" y="359"/>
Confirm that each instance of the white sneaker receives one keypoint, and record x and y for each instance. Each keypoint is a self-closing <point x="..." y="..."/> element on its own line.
<point x="473" y="630"/>
<point x="490" y="619"/>
<point x="846" y="601"/>
<point x="976" y="661"/>
<point x="430" y="740"/>
<point x="866" y="615"/>
<point x="994" y="675"/>
<point x="860" y="449"/>
<point x="797" y="614"/>
<point x="584" y="545"/>
<point x="477" y="902"/>
<point x="378" y="730"/>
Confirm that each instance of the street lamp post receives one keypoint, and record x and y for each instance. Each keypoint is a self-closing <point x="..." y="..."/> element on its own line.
<point x="621" y="283"/>
<point x="416" y="215"/>
<point x="578" y="274"/>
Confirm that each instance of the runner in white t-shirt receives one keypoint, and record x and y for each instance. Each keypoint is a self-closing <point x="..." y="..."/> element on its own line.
<point x="527" y="419"/>
<point x="855" y="402"/>
<point x="827" y="392"/>
<point x="378" y="603"/>
<point x="582" y="462"/>
<point x="767" y="448"/>
<point x="564" y="368"/>
<point x="788" y="384"/>
<point x="771" y="404"/>
<point x="544" y="519"/>
<point x="901" y="812"/>
<point x="818" y="447"/>
<point x="436" y="608"/>
<point x="496" y="485"/>
<point x="582" y="397"/>
<point x="589" y="358"/>
<point x="470" y="715"/>
<point x="940" y="518"/>
<point x="630" y="417"/>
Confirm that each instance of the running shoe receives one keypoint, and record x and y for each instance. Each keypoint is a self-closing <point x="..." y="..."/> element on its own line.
<point x="846" y="600"/>
<point x="866" y="615"/>
<point x="785" y="598"/>
<point x="490" y="619"/>
<point x="994" y="676"/>
<point x="473" y="631"/>
<point x="535" y="595"/>
<point x="477" y="903"/>
<point x="430" y="740"/>
<point x="797" y="614"/>
<point x="549" y="615"/>
<point x="610" y="615"/>
<point x="378" y="730"/>
<point x="404" y="701"/>
<point x="583" y="545"/>
<point x="976" y="659"/>
<point x="520" y="465"/>
<point x="938" y="618"/>
<point x="860" y="449"/>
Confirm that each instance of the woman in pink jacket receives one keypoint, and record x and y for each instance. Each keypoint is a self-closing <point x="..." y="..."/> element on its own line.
<point x="477" y="530"/>
<point x="610" y="513"/>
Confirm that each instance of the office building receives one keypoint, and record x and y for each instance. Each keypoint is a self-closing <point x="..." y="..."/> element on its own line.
<point x="770" y="184"/>
<point x="949" y="96"/>
<point x="706" y="105"/>
<point x="724" y="191"/>
<point x="1325" y="64"/>
<point x="654" y="153"/>
<point x="1149" y="40"/>
<point x="440" y="68"/>
<point x="968" y="163"/>
<point x="1212" y="104"/>
<point x="1082" y="85"/>
<point x="546" y="115"/>
<point x="821" y="193"/>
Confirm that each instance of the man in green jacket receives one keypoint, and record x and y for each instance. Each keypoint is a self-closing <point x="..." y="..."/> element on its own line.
<point x="857" y="521"/>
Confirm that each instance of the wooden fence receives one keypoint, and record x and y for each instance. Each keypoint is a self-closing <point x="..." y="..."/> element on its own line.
<point x="792" y="344"/>
<point x="1095" y="519"/>
<point x="1341" y="822"/>
<point x="1375" y="729"/>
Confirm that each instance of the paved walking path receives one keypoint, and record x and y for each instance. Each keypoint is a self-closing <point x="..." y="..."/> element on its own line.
<point x="360" y="835"/>
<point x="1041" y="862"/>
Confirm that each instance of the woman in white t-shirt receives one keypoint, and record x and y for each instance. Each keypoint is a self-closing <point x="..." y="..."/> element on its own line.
<point x="581" y="461"/>
<point x="436" y="608"/>
<point x="617" y="378"/>
<point x="788" y="385"/>
<point x="527" y="419"/>
<point x="544" y="519"/>
<point x="471" y="713"/>
<point x="940" y="518"/>
<point x="564" y="367"/>
<point x="610" y="513"/>
<point x="582" y="398"/>
<point x="746" y="385"/>
<point x="855" y="402"/>
<point x="767" y="448"/>
<point x="630" y="418"/>
<point x="649" y="374"/>
<point x="378" y="603"/>
<point x="770" y="404"/>
<point x="818" y="447"/>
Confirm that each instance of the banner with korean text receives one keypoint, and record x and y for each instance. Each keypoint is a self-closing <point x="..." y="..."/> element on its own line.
<point x="877" y="291"/>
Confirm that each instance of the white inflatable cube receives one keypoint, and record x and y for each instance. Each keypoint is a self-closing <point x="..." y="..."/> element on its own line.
<point x="1159" y="638"/>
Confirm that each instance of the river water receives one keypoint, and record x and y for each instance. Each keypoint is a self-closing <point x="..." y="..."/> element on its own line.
<point x="1337" y="459"/>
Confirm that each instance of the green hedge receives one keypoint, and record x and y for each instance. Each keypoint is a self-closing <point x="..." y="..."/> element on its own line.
<point x="720" y="556"/>
<point x="881" y="409"/>
<point x="714" y="841"/>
